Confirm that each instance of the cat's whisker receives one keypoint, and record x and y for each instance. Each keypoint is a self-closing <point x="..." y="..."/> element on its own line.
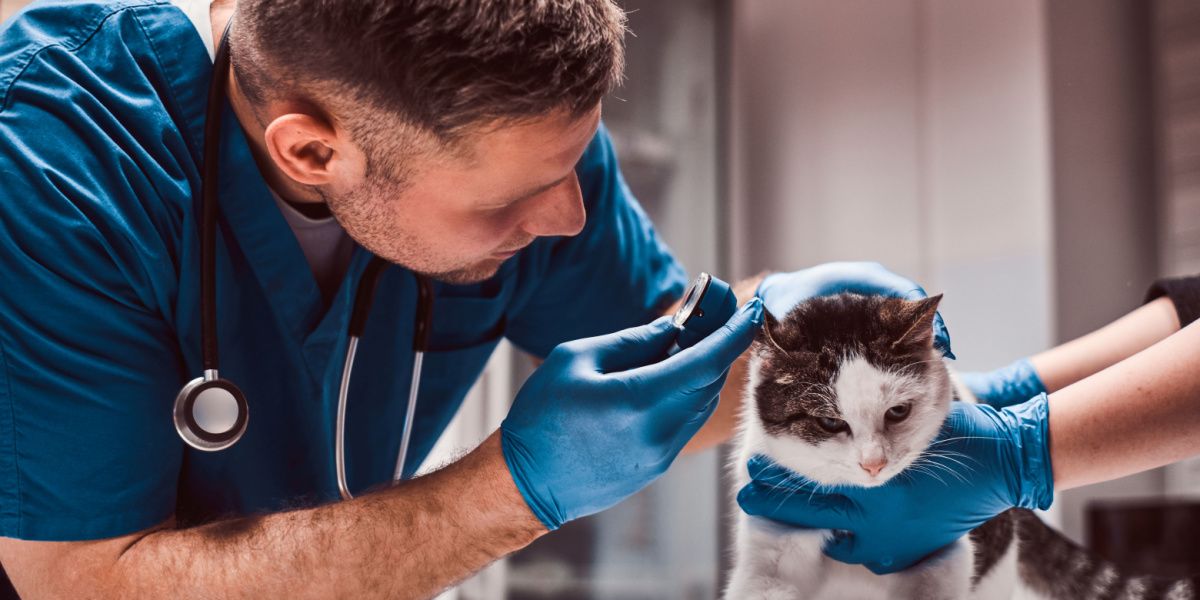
<point x="964" y="437"/>
<point x="949" y="468"/>
<point x="958" y="457"/>
<point x="929" y="472"/>
<point x="945" y="469"/>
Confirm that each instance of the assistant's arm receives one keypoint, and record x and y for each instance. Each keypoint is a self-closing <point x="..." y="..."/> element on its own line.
<point x="1172" y="303"/>
<point x="1140" y="413"/>
<point x="408" y="541"/>
<point x="1085" y="356"/>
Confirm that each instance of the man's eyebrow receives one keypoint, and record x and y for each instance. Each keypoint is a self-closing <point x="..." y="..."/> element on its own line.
<point x="536" y="191"/>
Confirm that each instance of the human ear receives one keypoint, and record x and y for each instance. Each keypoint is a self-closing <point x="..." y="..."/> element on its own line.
<point x="304" y="147"/>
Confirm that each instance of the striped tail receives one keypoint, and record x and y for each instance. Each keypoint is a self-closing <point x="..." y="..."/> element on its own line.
<point x="1054" y="567"/>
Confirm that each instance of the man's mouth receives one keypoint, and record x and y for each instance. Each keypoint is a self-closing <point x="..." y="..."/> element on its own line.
<point x="511" y="252"/>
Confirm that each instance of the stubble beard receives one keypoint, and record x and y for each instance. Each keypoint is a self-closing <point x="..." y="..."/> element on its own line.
<point x="369" y="229"/>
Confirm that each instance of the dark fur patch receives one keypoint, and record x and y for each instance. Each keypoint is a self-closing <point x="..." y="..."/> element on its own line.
<point x="807" y="346"/>
<point x="1056" y="567"/>
<point x="990" y="541"/>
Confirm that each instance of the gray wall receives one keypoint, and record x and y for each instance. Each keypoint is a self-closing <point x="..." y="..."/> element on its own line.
<point x="1104" y="201"/>
<point x="999" y="151"/>
<point x="910" y="132"/>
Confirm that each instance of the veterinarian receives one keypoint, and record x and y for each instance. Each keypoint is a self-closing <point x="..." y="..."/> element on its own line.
<point x="391" y="188"/>
<point x="1120" y="400"/>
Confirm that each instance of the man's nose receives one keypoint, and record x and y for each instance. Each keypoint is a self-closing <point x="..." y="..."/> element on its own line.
<point x="559" y="211"/>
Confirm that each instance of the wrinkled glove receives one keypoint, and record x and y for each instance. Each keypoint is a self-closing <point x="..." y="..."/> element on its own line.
<point x="605" y="416"/>
<point x="1005" y="386"/>
<point x="985" y="461"/>
<point x="781" y="292"/>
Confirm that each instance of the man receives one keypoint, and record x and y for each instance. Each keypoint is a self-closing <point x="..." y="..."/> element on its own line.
<point x="455" y="139"/>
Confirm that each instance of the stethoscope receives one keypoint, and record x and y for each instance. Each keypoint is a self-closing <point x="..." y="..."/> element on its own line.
<point x="210" y="412"/>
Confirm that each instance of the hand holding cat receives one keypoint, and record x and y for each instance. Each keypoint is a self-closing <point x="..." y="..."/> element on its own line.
<point x="605" y="416"/>
<point x="781" y="292"/>
<point x="1005" y="386"/>
<point x="984" y="462"/>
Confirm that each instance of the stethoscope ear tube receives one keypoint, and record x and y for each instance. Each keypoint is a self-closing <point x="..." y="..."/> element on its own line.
<point x="211" y="413"/>
<point x="210" y="182"/>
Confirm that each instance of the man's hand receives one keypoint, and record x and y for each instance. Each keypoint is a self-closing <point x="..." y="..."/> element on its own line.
<point x="782" y="292"/>
<point x="605" y="416"/>
<point x="984" y="462"/>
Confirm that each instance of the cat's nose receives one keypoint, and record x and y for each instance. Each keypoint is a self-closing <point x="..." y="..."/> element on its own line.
<point x="873" y="466"/>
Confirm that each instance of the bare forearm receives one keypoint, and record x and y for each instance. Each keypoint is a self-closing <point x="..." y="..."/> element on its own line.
<point x="1085" y="356"/>
<point x="408" y="541"/>
<point x="1140" y="413"/>
<point x="721" y="424"/>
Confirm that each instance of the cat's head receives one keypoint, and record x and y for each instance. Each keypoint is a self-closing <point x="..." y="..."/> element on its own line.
<point x="849" y="389"/>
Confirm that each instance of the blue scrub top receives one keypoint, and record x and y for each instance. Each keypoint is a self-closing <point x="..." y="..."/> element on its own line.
<point x="101" y="127"/>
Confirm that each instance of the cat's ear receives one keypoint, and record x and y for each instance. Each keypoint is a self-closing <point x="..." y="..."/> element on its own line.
<point x="917" y="320"/>
<point x="765" y="335"/>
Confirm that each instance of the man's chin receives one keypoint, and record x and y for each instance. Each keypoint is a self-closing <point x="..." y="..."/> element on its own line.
<point x="480" y="271"/>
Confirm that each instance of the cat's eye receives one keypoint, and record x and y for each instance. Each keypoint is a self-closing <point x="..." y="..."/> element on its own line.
<point x="898" y="413"/>
<point x="832" y="425"/>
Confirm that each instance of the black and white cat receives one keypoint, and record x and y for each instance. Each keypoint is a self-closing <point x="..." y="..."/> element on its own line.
<point x="849" y="389"/>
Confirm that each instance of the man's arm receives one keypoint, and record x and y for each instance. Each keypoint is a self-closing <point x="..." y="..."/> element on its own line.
<point x="407" y="541"/>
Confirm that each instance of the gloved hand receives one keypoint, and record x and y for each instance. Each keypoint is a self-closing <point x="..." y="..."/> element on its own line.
<point x="1005" y="386"/>
<point x="605" y="416"/>
<point x="781" y="292"/>
<point x="984" y="462"/>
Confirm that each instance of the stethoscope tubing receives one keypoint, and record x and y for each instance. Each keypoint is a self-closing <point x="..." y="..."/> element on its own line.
<point x="192" y="434"/>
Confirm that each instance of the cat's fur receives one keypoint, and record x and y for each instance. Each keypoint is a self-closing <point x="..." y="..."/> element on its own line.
<point x="852" y="358"/>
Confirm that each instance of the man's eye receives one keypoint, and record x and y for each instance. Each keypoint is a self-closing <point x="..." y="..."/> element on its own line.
<point x="832" y="425"/>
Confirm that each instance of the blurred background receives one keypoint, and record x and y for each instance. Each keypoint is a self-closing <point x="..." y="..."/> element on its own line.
<point x="1038" y="161"/>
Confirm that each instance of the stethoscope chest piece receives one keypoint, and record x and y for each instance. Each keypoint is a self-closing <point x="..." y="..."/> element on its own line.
<point x="211" y="413"/>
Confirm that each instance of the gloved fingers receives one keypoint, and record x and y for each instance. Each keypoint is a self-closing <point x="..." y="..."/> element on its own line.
<point x="630" y="348"/>
<point x="706" y="362"/>
<point x="797" y="508"/>
<point x="842" y="547"/>
<point x="763" y="469"/>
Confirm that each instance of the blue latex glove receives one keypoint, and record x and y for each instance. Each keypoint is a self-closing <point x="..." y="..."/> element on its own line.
<point x="1005" y="386"/>
<point x="605" y="416"/>
<point x="781" y="292"/>
<point x="985" y="461"/>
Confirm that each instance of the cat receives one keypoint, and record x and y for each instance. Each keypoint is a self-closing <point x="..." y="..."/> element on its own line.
<point x="849" y="389"/>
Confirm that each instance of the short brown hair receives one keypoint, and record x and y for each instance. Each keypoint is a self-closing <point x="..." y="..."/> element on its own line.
<point x="440" y="66"/>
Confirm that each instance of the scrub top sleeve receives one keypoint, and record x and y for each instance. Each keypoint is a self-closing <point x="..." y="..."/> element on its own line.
<point x="614" y="274"/>
<point x="87" y="381"/>
<point x="89" y="362"/>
